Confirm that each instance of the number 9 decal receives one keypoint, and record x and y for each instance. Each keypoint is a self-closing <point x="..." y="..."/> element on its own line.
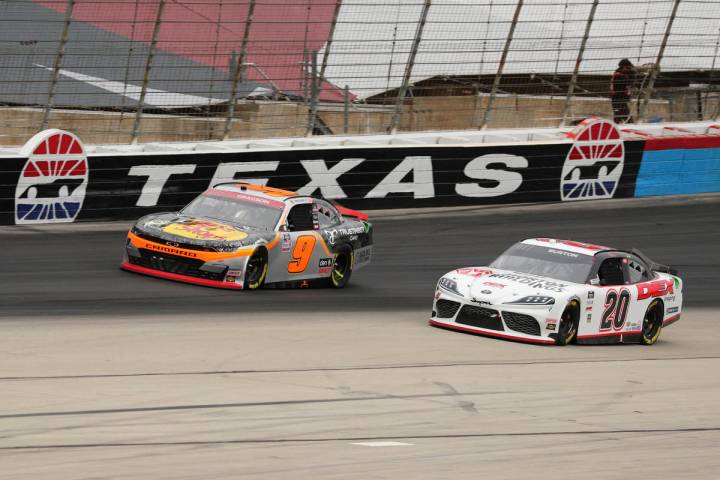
<point x="304" y="246"/>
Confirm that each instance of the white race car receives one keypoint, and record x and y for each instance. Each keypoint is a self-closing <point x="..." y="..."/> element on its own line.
<point x="559" y="291"/>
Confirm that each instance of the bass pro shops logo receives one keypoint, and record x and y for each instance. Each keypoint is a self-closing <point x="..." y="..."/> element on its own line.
<point x="52" y="184"/>
<point x="594" y="164"/>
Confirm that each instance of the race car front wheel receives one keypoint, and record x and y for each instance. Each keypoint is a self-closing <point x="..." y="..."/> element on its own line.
<point x="652" y="323"/>
<point x="256" y="270"/>
<point x="342" y="268"/>
<point x="567" y="330"/>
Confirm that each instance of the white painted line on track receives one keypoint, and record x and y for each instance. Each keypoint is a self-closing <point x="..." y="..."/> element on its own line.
<point x="382" y="444"/>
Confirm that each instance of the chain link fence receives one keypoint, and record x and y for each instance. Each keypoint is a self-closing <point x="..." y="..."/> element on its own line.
<point x="127" y="71"/>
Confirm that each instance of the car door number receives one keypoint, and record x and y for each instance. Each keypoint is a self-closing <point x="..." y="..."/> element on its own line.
<point x="616" y="309"/>
<point x="304" y="246"/>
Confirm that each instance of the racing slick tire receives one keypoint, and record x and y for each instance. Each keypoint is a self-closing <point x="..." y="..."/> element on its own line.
<point x="569" y="321"/>
<point x="652" y="323"/>
<point x="341" y="267"/>
<point x="256" y="270"/>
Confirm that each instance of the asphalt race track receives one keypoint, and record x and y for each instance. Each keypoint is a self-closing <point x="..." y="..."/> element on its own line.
<point x="107" y="374"/>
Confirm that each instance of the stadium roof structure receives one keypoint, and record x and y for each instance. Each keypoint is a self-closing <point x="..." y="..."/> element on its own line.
<point x="108" y="43"/>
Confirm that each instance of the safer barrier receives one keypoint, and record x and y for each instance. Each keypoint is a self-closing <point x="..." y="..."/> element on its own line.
<point x="53" y="179"/>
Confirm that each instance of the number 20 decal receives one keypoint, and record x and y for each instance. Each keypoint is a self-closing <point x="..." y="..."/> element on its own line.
<point x="616" y="309"/>
<point x="301" y="254"/>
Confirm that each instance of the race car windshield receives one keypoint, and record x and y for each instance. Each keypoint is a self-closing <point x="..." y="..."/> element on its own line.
<point x="547" y="262"/>
<point x="234" y="210"/>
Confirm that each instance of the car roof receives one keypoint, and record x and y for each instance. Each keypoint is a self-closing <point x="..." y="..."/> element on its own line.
<point x="569" y="245"/>
<point x="268" y="193"/>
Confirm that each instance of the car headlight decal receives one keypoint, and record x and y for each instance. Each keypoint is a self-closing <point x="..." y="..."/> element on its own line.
<point x="449" y="285"/>
<point x="533" y="300"/>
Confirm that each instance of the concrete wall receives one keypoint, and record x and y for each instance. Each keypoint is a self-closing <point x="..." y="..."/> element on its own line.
<point x="285" y="119"/>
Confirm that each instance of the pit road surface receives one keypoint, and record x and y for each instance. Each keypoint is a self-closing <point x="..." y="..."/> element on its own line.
<point x="106" y="374"/>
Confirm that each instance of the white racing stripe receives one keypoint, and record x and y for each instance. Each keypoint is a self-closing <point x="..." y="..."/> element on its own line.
<point x="382" y="444"/>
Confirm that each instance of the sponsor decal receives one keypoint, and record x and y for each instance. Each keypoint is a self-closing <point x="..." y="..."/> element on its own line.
<point x="205" y="230"/>
<point x="286" y="242"/>
<point x="591" y="295"/>
<point x="532" y="282"/>
<point x="551" y="323"/>
<point x="216" y="192"/>
<point x="669" y="298"/>
<point x="235" y="273"/>
<point x="672" y="310"/>
<point x="474" y="271"/>
<point x="589" y="317"/>
<point x="494" y="284"/>
<point x="594" y="164"/>
<point x="481" y="302"/>
<point x="589" y="307"/>
<point x="486" y="292"/>
<point x="51" y="187"/>
<point x="362" y="256"/>
<point x="325" y="262"/>
<point x="633" y="326"/>
<point x="562" y="252"/>
<point x="656" y="288"/>
<point x="334" y="234"/>
<point x="170" y="250"/>
<point x="324" y="271"/>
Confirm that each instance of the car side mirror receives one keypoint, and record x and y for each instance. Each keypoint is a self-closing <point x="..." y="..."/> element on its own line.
<point x="283" y="228"/>
<point x="595" y="281"/>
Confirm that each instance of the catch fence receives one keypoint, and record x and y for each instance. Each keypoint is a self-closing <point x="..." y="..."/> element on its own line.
<point x="128" y="71"/>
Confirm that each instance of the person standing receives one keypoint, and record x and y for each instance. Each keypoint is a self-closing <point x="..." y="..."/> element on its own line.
<point x="622" y="80"/>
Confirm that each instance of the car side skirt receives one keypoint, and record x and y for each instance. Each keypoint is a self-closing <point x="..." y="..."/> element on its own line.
<point x="179" y="278"/>
<point x="670" y="320"/>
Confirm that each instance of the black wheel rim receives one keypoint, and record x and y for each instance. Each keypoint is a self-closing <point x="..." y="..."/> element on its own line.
<point x="651" y="325"/>
<point x="254" y="269"/>
<point x="567" y="325"/>
<point x="340" y="268"/>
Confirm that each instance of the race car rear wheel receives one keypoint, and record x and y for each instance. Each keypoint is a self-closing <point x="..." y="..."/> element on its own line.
<point x="256" y="270"/>
<point x="567" y="330"/>
<point x="342" y="267"/>
<point x="652" y="323"/>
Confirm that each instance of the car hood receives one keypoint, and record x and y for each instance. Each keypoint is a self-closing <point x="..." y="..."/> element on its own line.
<point x="203" y="231"/>
<point x="494" y="286"/>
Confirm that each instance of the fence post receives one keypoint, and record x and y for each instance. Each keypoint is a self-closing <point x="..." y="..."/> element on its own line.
<point x="656" y="68"/>
<point x="314" y="93"/>
<point x="408" y="68"/>
<point x="326" y="54"/>
<point x="239" y="73"/>
<point x="501" y="65"/>
<point x="712" y="76"/>
<point x="578" y="61"/>
<point x="146" y="76"/>
<point x="58" y="62"/>
<point x="346" y="109"/>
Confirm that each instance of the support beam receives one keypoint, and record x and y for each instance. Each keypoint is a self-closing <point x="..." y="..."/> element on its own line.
<point x="650" y="86"/>
<point x="501" y="65"/>
<point x="333" y="24"/>
<point x="58" y="63"/>
<point x="146" y="76"/>
<point x="239" y="73"/>
<point x="578" y="62"/>
<point x="400" y="101"/>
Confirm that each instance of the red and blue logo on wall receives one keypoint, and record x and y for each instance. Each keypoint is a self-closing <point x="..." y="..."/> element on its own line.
<point x="52" y="184"/>
<point x="594" y="164"/>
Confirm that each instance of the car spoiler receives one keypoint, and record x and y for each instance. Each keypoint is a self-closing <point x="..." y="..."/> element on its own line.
<point x="349" y="212"/>
<point x="654" y="266"/>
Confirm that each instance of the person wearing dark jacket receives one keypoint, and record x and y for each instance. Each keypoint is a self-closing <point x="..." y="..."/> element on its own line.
<point x="622" y="80"/>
